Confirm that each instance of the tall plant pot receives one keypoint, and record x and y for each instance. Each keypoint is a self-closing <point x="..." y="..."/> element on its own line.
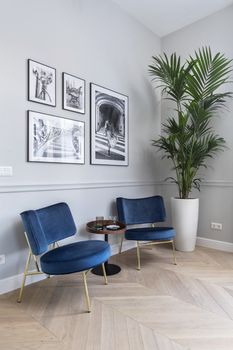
<point x="185" y="221"/>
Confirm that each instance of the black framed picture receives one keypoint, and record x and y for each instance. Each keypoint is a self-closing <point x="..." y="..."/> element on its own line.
<point x="73" y="96"/>
<point x="55" y="139"/>
<point x="41" y="83"/>
<point x="109" y="127"/>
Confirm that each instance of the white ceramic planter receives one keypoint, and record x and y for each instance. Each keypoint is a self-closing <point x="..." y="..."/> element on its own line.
<point x="185" y="221"/>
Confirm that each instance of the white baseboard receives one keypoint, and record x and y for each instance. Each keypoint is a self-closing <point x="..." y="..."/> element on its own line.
<point x="214" y="244"/>
<point x="126" y="246"/>
<point x="14" y="282"/>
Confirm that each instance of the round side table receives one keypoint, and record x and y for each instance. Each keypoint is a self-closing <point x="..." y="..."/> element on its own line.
<point x="111" y="269"/>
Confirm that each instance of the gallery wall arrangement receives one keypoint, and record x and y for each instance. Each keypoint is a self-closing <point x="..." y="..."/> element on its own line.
<point x="55" y="139"/>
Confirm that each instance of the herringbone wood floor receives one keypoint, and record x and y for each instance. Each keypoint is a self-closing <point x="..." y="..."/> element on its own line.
<point x="162" y="307"/>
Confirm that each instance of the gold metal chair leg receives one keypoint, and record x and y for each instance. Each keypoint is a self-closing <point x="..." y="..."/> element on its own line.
<point x="36" y="263"/>
<point x="138" y="256"/>
<point x="86" y="291"/>
<point x="24" y="277"/>
<point x="26" y="272"/>
<point x="174" y="253"/>
<point x="121" y="244"/>
<point x="104" y="272"/>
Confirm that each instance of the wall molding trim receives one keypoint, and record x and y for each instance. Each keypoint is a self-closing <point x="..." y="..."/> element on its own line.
<point x="73" y="186"/>
<point x="14" y="282"/>
<point x="209" y="183"/>
<point x="218" y="183"/>
<point x="15" y="188"/>
<point x="214" y="244"/>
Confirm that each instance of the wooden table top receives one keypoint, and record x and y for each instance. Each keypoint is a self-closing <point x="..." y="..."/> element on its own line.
<point x="91" y="227"/>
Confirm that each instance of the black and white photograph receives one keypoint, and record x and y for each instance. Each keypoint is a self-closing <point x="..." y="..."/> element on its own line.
<point x="73" y="93"/>
<point x="109" y="127"/>
<point x="41" y="83"/>
<point x="55" y="139"/>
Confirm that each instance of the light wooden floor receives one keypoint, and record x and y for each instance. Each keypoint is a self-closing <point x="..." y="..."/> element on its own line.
<point x="162" y="307"/>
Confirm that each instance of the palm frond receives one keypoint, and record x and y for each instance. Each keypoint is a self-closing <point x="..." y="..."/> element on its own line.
<point x="188" y="139"/>
<point x="207" y="73"/>
<point x="171" y="75"/>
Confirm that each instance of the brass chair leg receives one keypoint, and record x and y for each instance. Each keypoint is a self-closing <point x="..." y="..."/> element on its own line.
<point x="24" y="277"/>
<point x="174" y="253"/>
<point x="138" y="256"/>
<point x="104" y="272"/>
<point x="86" y="291"/>
<point x="121" y="244"/>
<point x="36" y="263"/>
<point x="26" y="272"/>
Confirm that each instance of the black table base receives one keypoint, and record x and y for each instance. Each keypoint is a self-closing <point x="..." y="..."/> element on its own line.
<point x="111" y="269"/>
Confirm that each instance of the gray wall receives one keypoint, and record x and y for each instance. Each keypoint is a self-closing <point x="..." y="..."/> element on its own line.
<point x="96" y="41"/>
<point x="216" y="197"/>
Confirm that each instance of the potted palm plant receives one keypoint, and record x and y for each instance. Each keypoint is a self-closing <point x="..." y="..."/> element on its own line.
<point x="188" y="139"/>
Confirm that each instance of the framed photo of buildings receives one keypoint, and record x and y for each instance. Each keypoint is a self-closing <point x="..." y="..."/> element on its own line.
<point x="109" y="127"/>
<point x="55" y="139"/>
<point x="73" y="96"/>
<point x="41" y="83"/>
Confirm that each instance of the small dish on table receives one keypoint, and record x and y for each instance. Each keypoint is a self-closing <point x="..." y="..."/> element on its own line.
<point x="112" y="227"/>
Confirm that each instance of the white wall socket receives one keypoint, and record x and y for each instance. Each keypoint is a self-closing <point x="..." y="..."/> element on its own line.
<point x="6" y="171"/>
<point x="2" y="259"/>
<point x="216" y="226"/>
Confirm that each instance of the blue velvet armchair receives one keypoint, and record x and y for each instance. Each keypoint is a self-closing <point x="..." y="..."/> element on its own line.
<point x="43" y="229"/>
<point x="148" y="211"/>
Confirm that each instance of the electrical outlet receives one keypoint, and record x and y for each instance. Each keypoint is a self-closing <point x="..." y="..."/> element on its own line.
<point x="6" y="171"/>
<point x="216" y="226"/>
<point x="2" y="259"/>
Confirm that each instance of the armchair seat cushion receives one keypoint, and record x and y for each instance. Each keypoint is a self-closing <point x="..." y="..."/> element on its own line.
<point x="150" y="234"/>
<point x="75" y="257"/>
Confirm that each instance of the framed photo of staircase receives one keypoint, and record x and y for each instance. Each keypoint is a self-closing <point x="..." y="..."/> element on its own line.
<point x="54" y="139"/>
<point x="109" y="127"/>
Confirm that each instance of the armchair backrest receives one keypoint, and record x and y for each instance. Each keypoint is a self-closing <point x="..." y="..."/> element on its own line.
<point x="141" y="210"/>
<point x="48" y="225"/>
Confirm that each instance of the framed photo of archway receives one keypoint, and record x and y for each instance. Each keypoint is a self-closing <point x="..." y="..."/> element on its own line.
<point x="109" y="127"/>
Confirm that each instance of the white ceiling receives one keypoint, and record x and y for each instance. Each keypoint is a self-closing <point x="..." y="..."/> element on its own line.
<point x="165" y="16"/>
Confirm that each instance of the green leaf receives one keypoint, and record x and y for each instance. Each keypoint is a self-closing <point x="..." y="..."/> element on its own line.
<point x="188" y="139"/>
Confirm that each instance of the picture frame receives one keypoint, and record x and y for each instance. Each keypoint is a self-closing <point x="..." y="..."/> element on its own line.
<point x="53" y="139"/>
<point x="73" y="93"/>
<point x="109" y="126"/>
<point x="41" y="83"/>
